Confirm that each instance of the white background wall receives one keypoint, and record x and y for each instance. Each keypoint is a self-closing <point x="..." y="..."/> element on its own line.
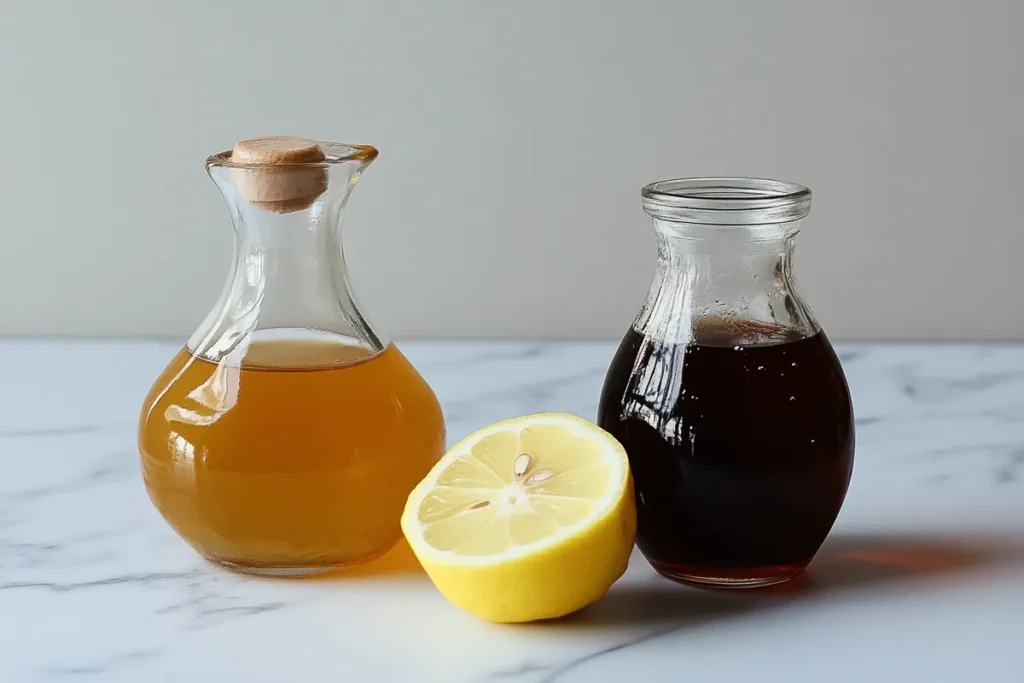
<point x="514" y="138"/>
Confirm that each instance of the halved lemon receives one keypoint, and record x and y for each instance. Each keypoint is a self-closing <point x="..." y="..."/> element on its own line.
<point x="530" y="518"/>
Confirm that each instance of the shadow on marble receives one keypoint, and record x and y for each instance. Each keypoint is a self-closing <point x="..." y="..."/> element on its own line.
<point x="660" y="601"/>
<point x="851" y="561"/>
<point x="845" y="563"/>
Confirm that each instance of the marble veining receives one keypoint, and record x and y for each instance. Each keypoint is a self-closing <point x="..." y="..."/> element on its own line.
<point x="921" y="579"/>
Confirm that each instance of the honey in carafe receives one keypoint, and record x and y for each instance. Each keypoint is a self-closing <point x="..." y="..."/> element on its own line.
<point x="286" y="436"/>
<point x="301" y="455"/>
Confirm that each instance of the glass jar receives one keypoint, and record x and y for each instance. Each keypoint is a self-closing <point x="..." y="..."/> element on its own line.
<point x="726" y="393"/>
<point x="286" y="435"/>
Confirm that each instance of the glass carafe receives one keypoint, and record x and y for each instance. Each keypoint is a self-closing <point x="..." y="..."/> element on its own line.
<point x="286" y="435"/>
<point x="727" y="395"/>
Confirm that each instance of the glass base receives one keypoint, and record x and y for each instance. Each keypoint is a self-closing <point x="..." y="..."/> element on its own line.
<point x="761" y="577"/>
<point x="292" y="572"/>
<point x="276" y="572"/>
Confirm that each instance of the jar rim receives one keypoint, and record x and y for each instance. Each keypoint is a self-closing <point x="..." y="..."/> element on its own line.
<point x="726" y="200"/>
<point x="334" y="153"/>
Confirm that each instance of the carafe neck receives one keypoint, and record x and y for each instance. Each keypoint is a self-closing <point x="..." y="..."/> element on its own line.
<point x="288" y="275"/>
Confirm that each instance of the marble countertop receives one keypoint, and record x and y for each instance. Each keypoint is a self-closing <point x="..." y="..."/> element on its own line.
<point x="921" y="579"/>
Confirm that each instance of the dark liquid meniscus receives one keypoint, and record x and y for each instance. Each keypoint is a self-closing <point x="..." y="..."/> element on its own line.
<point x="741" y="453"/>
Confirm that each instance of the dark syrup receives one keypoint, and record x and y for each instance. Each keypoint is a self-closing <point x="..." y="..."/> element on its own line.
<point x="741" y="454"/>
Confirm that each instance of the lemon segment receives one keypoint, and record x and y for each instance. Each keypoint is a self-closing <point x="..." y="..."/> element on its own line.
<point x="530" y="518"/>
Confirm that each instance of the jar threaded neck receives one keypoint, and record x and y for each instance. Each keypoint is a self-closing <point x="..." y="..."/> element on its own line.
<point x="726" y="201"/>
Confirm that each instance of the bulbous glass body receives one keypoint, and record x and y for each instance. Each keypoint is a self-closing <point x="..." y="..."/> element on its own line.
<point x="286" y="435"/>
<point x="727" y="395"/>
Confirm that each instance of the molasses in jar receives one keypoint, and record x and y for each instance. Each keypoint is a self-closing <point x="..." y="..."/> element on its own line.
<point x="726" y="394"/>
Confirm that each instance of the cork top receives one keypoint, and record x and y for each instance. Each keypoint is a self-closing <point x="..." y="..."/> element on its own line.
<point x="283" y="150"/>
<point x="280" y="174"/>
<point x="286" y="173"/>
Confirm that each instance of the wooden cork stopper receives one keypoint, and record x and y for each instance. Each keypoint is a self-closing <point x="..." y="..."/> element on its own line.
<point x="280" y="179"/>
